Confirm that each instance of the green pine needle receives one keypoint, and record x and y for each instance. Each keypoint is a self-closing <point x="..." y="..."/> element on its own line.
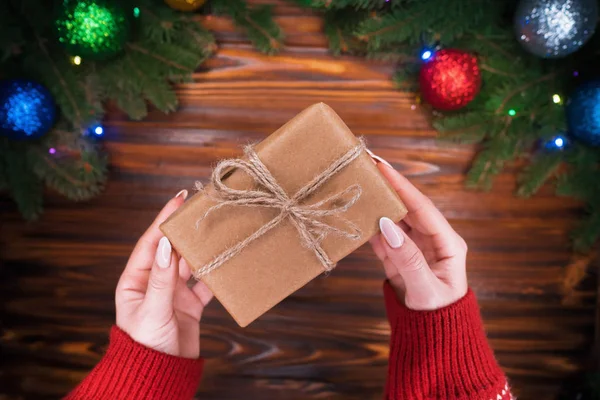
<point x="257" y="22"/>
<point x="537" y="173"/>
<point x="24" y="186"/>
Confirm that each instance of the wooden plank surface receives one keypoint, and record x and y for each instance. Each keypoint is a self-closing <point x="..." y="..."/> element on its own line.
<point x="329" y="340"/>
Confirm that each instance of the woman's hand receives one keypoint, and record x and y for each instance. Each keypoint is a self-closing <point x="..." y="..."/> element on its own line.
<point x="155" y="306"/>
<point x="424" y="258"/>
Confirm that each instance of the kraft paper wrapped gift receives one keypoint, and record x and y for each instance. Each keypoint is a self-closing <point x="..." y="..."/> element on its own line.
<point x="277" y="263"/>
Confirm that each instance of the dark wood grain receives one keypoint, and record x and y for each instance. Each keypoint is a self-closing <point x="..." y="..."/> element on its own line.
<point x="329" y="340"/>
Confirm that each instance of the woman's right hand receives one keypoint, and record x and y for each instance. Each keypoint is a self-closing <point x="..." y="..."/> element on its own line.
<point x="424" y="258"/>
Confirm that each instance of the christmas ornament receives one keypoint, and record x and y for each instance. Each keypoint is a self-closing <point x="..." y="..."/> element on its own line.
<point x="185" y="5"/>
<point x="95" y="29"/>
<point x="27" y="109"/>
<point x="450" y="79"/>
<point x="583" y="113"/>
<point x="555" y="28"/>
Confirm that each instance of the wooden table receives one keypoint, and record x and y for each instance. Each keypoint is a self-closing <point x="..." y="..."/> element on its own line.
<point x="329" y="340"/>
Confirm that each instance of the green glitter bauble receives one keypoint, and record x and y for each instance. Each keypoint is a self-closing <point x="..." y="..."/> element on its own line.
<point x="95" y="29"/>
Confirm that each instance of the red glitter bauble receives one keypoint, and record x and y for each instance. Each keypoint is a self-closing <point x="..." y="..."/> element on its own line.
<point x="450" y="79"/>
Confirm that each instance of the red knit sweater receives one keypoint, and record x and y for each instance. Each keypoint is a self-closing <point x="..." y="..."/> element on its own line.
<point x="442" y="354"/>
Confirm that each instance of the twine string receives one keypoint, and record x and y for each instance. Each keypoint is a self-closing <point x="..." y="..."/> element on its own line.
<point x="307" y="219"/>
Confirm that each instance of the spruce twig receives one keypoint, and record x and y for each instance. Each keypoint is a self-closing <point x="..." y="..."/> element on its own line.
<point x="66" y="88"/>
<point x="492" y="70"/>
<point x="158" y="57"/>
<point x="522" y="88"/>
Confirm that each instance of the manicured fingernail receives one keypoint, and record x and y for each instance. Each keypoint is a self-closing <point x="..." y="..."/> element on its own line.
<point x="370" y="153"/>
<point x="377" y="159"/>
<point x="391" y="232"/>
<point x="183" y="194"/>
<point x="163" y="253"/>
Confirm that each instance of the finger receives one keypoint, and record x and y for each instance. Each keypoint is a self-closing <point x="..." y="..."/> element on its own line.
<point x="404" y="226"/>
<point x="142" y="257"/>
<point x="408" y="260"/>
<point x="416" y="202"/>
<point x="422" y="214"/>
<point x="163" y="279"/>
<point x="203" y="292"/>
<point x="391" y="272"/>
<point x="185" y="271"/>
<point x="394" y="277"/>
<point x="377" y="246"/>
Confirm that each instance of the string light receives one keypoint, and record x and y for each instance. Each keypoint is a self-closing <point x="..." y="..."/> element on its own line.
<point x="77" y="60"/>
<point x="52" y="150"/>
<point x="556" y="99"/>
<point x="426" y="54"/>
<point x="512" y="112"/>
<point x="99" y="131"/>
<point x="136" y="12"/>
<point x="557" y="143"/>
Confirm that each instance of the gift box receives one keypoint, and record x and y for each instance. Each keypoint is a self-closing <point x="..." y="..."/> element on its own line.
<point x="287" y="211"/>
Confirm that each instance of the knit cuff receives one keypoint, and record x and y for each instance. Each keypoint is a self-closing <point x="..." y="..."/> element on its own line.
<point x="130" y="370"/>
<point x="441" y="354"/>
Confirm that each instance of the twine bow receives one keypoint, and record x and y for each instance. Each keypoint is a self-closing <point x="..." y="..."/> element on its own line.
<point x="308" y="219"/>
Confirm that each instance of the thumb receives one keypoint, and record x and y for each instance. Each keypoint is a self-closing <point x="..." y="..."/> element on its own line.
<point x="410" y="263"/>
<point x="163" y="278"/>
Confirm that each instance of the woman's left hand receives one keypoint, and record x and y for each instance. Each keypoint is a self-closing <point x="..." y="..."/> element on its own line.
<point x="154" y="304"/>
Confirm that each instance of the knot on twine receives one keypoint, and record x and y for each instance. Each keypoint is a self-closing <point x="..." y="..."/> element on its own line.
<point x="306" y="218"/>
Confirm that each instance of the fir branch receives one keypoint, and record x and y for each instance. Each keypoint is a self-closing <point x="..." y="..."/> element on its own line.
<point x="494" y="46"/>
<point x="490" y="161"/>
<point x="339" y="28"/>
<point x="537" y="173"/>
<point x="163" y="106"/>
<point x="337" y="42"/>
<point x="587" y="233"/>
<point x="132" y="104"/>
<point x="140" y="49"/>
<point x="273" y="42"/>
<point x="340" y="4"/>
<point x="462" y="128"/>
<point x="492" y="70"/>
<point x="202" y="37"/>
<point x="574" y="274"/>
<point x="61" y="173"/>
<point x="257" y="22"/>
<point x="59" y="76"/>
<point x="581" y="177"/>
<point x="78" y="174"/>
<point x="11" y="33"/>
<point x="368" y="35"/>
<point x="522" y="88"/>
<point x="24" y="187"/>
<point x="166" y="26"/>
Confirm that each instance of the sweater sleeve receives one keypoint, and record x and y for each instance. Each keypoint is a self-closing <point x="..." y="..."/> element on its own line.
<point x="130" y="370"/>
<point x="441" y="354"/>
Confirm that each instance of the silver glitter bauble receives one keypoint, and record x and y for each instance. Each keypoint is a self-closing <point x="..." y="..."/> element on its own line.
<point x="555" y="28"/>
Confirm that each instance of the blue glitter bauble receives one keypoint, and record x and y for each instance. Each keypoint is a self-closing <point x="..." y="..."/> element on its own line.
<point x="27" y="109"/>
<point x="583" y="113"/>
<point x="555" y="28"/>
